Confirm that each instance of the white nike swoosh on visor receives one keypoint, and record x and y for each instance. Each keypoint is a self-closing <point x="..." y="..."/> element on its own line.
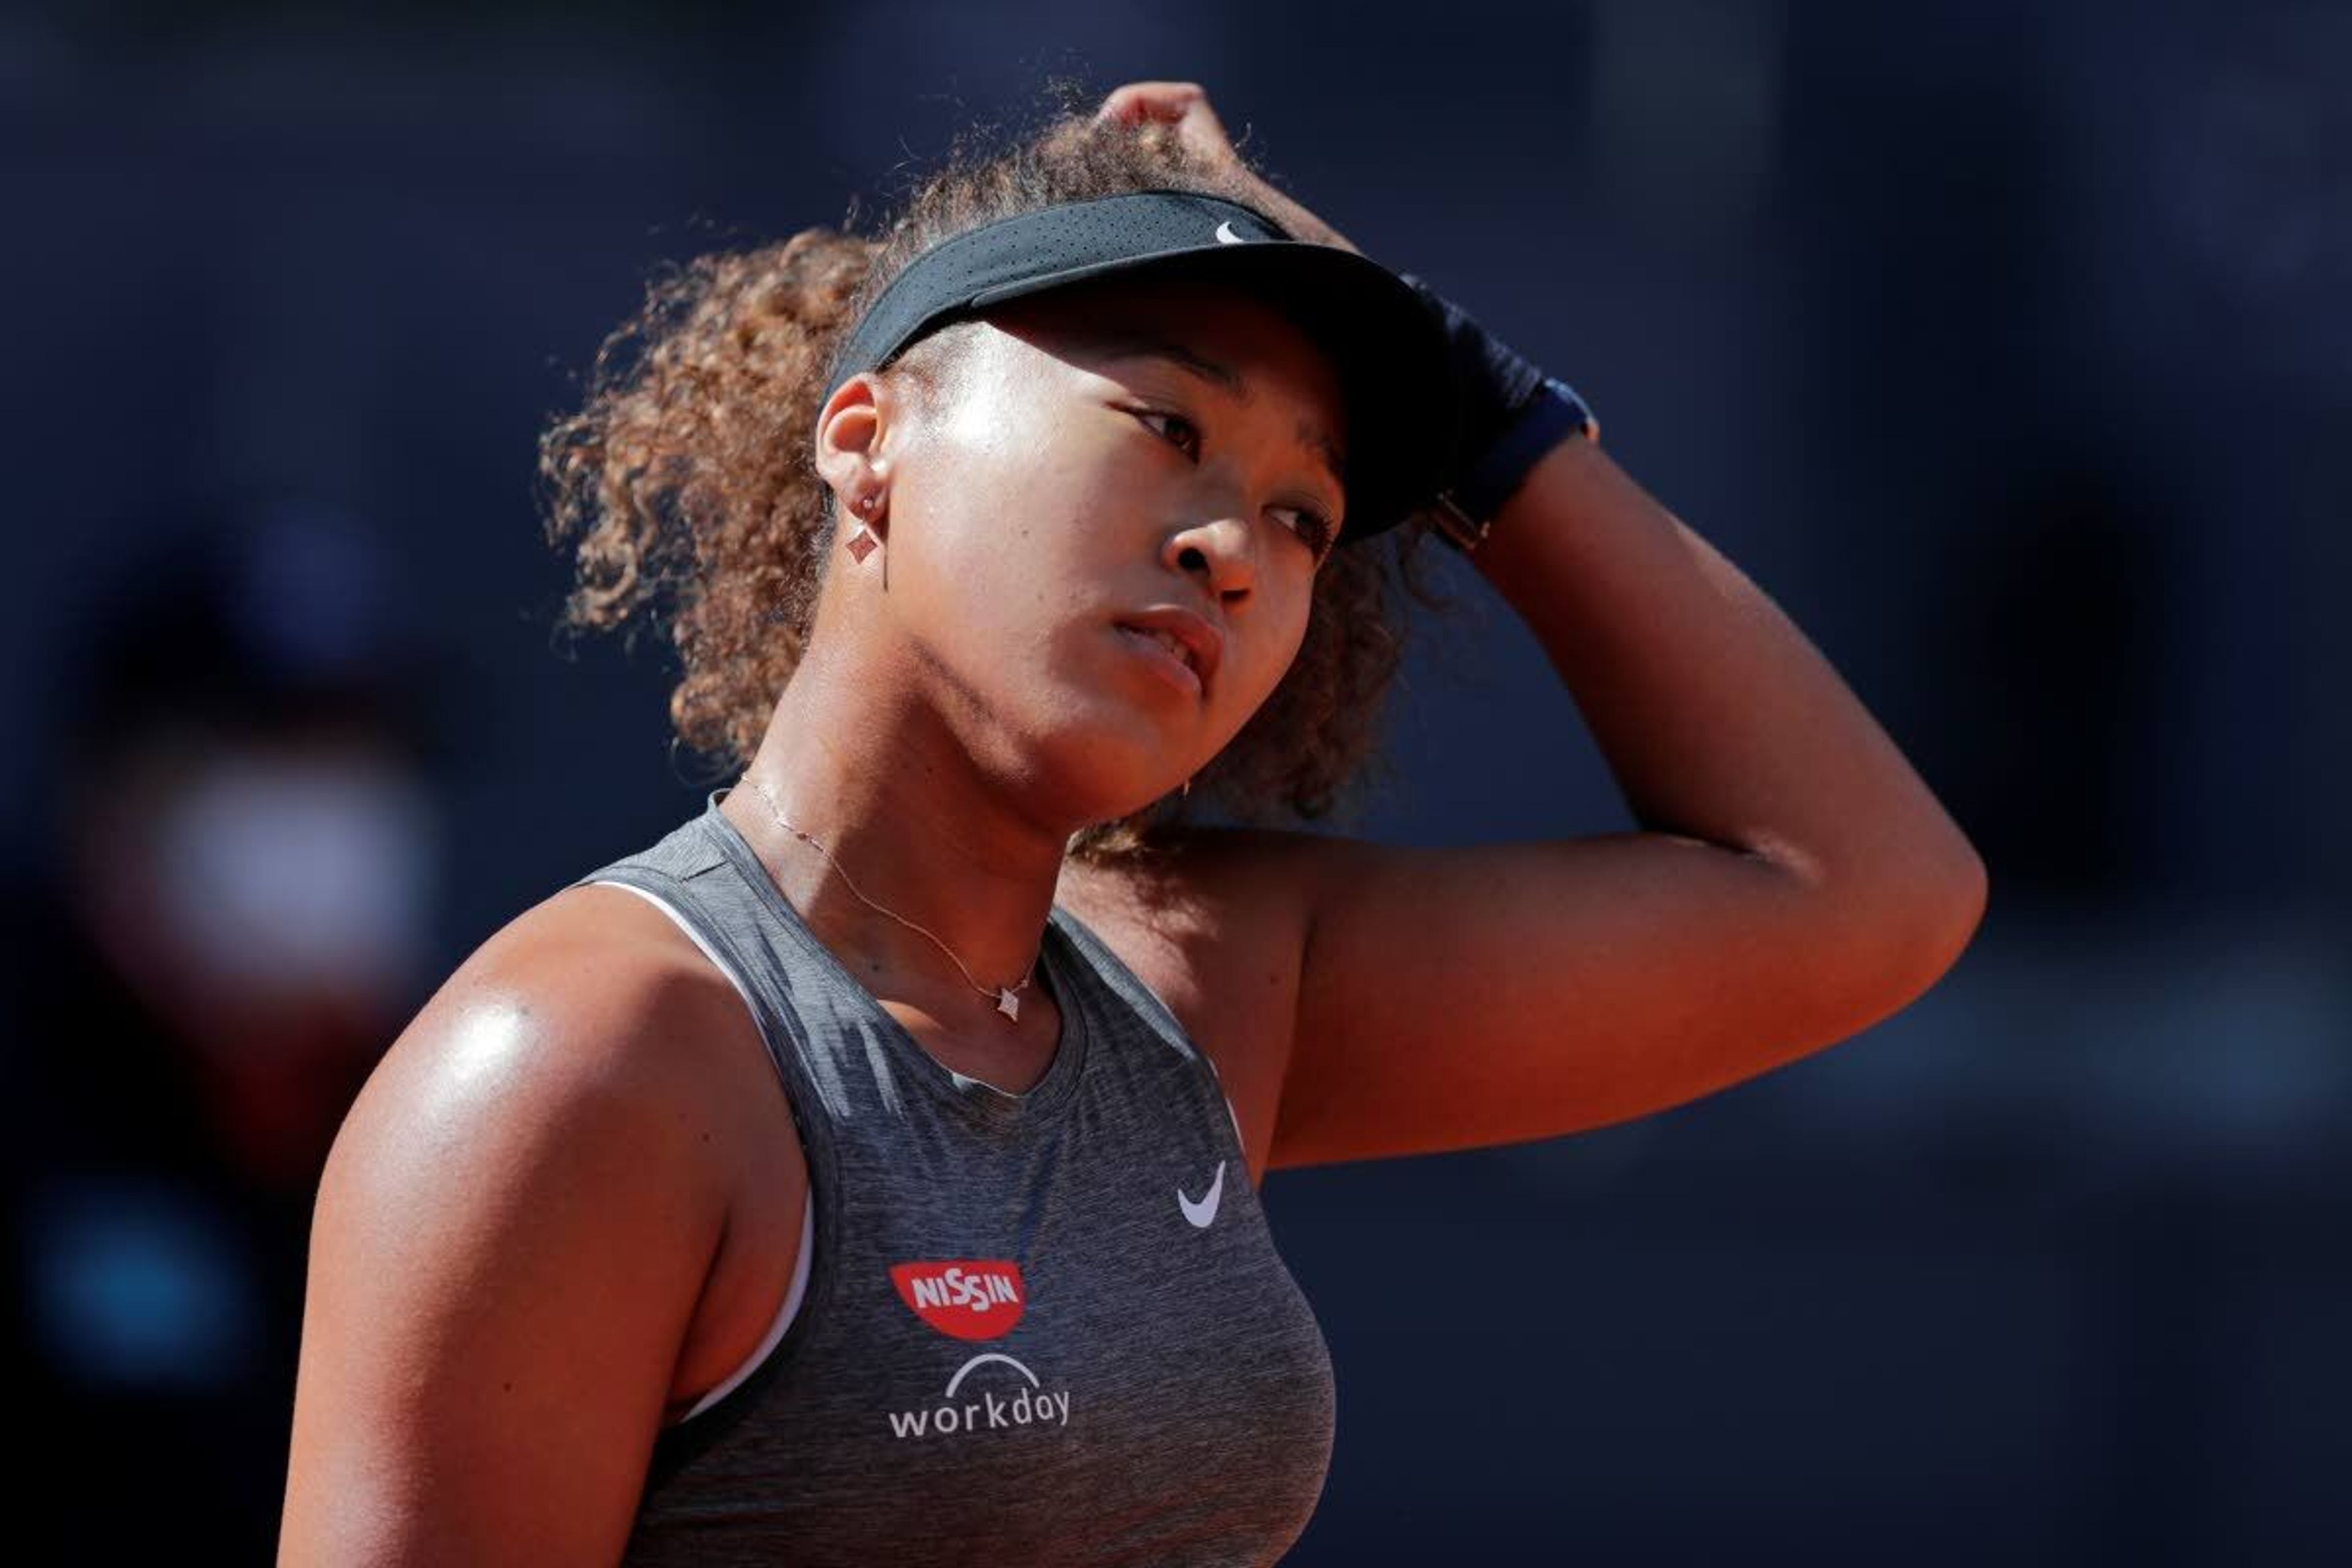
<point x="1225" y="235"/>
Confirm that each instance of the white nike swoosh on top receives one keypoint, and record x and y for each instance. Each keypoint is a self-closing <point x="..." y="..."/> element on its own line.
<point x="1202" y="1213"/>
<point x="1225" y="235"/>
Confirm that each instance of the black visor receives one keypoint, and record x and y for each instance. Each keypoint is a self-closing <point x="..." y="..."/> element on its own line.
<point x="1389" y="351"/>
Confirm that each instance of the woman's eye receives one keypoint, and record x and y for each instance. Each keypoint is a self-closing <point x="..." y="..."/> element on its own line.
<point x="1313" y="527"/>
<point x="1183" y="434"/>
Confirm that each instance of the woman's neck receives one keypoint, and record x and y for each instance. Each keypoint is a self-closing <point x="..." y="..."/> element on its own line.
<point x="906" y="813"/>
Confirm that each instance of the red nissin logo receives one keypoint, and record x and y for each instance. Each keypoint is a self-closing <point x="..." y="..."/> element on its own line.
<point x="970" y="1298"/>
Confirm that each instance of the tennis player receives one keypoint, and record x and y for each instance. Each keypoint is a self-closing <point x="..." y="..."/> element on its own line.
<point x="867" y="1171"/>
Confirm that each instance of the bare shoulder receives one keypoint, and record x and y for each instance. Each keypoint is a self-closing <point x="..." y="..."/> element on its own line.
<point x="533" y="1181"/>
<point x="1218" y="930"/>
<point x="587" y="995"/>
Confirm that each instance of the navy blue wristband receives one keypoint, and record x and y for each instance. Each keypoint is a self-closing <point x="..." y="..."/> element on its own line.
<point x="1467" y="510"/>
<point x="1512" y="414"/>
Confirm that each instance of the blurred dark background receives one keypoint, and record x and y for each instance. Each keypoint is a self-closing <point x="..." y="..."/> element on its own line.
<point x="2006" y="345"/>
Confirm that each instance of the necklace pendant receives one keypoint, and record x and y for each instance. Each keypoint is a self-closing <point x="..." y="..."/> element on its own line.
<point x="1008" y="1004"/>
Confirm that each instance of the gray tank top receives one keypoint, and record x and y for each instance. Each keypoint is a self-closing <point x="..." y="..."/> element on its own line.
<point x="1047" y="1328"/>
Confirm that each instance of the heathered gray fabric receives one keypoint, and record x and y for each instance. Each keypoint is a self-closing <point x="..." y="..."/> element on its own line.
<point x="1188" y="1387"/>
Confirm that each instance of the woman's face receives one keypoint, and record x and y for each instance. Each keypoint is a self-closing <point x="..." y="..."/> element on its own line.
<point x="1101" y="454"/>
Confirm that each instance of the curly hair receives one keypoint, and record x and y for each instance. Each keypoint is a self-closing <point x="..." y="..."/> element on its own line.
<point x="687" y="488"/>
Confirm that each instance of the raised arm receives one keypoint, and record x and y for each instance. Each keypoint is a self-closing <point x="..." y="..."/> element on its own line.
<point x="511" y="1237"/>
<point x="1794" y="880"/>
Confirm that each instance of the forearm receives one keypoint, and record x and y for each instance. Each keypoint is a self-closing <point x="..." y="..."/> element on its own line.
<point x="1718" y="718"/>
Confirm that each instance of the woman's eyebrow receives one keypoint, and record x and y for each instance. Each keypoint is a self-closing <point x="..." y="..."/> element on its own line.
<point x="1134" y="345"/>
<point x="1129" y="345"/>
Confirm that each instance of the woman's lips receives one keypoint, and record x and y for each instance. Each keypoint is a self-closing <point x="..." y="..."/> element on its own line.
<point x="1172" y="669"/>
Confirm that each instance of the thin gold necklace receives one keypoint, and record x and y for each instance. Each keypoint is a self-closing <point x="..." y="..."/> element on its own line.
<point x="1008" y="1001"/>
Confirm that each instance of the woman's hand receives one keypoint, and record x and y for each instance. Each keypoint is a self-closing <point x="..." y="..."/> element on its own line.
<point x="1184" y="107"/>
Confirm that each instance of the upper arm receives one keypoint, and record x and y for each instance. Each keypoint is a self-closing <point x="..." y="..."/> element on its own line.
<point x="1462" y="997"/>
<point x="508" y="1241"/>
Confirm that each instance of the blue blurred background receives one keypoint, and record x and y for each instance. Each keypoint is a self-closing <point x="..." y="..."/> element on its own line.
<point x="2006" y="345"/>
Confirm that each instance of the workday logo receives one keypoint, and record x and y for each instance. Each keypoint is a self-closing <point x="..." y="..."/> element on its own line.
<point x="964" y="1297"/>
<point x="1030" y="1404"/>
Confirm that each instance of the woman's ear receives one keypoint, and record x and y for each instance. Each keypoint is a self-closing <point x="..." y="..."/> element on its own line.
<point x="850" y="431"/>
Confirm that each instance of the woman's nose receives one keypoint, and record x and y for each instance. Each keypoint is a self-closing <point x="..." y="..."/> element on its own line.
<point x="1222" y="550"/>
